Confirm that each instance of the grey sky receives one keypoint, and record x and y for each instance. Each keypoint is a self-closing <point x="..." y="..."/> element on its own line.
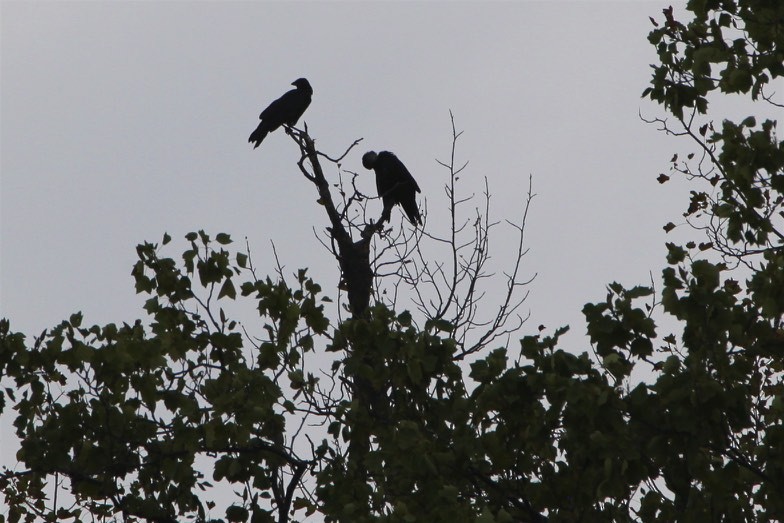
<point x="122" y="121"/>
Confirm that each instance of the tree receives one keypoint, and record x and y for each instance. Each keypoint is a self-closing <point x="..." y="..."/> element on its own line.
<point x="422" y="416"/>
<point x="141" y="412"/>
<point x="715" y="402"/>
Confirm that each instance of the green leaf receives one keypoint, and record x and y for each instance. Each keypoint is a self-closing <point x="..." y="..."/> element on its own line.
<point x="237" y="514"/>
<point x="675" y="254"/>
<point x="440" y="325"/>
<point x="227" y="289"/>
<point x="76" y="319"/>
<point x="641" y="347"/>
<point x="297" y="379"/>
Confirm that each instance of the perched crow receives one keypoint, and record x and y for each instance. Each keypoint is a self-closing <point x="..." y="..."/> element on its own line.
<point x="394" y="183"/>
<point x="285" y="110"/>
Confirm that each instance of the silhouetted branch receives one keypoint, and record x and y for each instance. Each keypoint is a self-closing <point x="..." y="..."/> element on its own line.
<point x="353" y="257"/>
<point x="452" y="289"/>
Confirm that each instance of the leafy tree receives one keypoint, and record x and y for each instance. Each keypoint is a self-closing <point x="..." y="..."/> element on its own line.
<point x="421" y="416"/>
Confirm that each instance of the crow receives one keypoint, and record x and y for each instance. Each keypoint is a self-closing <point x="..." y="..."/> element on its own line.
<point x="394" y="184"/>
<point x="286" y="110"/>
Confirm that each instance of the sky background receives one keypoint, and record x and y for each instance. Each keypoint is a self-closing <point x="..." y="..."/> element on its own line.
<point x="122" y="121"/>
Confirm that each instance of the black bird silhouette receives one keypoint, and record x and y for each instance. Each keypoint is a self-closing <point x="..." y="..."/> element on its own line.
<point x="286" y="110"/>
<point x="394" y="183"/>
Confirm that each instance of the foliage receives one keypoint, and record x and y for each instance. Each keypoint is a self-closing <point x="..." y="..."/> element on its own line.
<point x="715" y="402"/>
<point x="379" y="418"/>
<point x="124" y="412"/>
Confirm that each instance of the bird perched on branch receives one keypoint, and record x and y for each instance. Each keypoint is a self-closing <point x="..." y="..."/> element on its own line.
<point x="394" y="183"/>
<point x="286" y="110"/>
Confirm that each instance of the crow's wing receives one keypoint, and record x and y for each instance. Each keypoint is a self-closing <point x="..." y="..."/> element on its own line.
<point x="408" y="203"/>
<point x="277" y="110"/>
<point x="398" y="171"/>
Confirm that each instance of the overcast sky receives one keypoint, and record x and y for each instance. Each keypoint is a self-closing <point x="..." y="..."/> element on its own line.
<point x="122" y="121"/>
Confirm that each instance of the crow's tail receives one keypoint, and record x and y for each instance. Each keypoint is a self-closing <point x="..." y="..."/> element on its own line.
<point x="257" y="136"/>
<point x="412" y="211"/>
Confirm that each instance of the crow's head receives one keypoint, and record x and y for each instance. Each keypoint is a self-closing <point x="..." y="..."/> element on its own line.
<point x="302" y="83"/>
<point x="369" y="159"/>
